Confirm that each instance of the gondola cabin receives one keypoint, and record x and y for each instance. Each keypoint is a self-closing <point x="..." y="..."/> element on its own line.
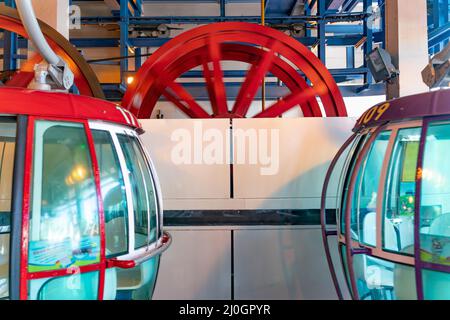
<point x="80" y="204"/>
<point x="393" y="204"/>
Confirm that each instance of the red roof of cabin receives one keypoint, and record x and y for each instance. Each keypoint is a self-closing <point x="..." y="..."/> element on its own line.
<point x="17" y="101"/>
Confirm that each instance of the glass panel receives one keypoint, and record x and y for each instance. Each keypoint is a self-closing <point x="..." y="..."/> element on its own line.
<point x="137" y="283"/>
<point x="343" y="253"/>
<point x="435" y="197"/>
<point x="348" y="172"/>
<point x="64" y="221"/>
<point x="113" y="194"/>
<point x="144" y="199"/>
<point x="379" y="279"/>
<point x="364" y="202"/>
<point x="398" y="222"/>
<point x="335" y="186"/>
<point x="436" y="285"/>
<point x="7" y="148"/>
<point x="78" y="286"/>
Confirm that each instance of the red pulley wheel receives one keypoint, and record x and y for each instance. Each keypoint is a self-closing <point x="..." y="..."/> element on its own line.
<point x="266" y="50"/>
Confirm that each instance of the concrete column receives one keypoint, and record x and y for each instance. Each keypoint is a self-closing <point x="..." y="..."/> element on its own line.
<point x="55" y="13"/>
<point x="407" y="42"/>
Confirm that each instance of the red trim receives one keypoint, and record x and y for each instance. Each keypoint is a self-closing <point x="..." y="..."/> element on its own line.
<point x="26" y="209"/>
<point x="56" y="104"/>
<point x="101" y="213"/>
<point x="62" y="272"/>
<point x="25" y="275"/>
<point x="123" y="264"/>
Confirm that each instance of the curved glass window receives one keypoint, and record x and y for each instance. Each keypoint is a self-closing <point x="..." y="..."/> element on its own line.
<point x="77" y="286"/>
<point x="398" y="222"/>
<point x="364" y="200"/>
<point x="348" y="171"/>
<point x="379" y="279"/>
<point x="113" y="194"/>
<point x="436" y="285"/>
<point x="144" y="197"/>
<point x="64" y="220"/>
<point x="435" y="196"/>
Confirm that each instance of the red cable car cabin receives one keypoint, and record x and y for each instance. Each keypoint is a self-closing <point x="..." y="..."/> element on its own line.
<point x="80" y="204"/>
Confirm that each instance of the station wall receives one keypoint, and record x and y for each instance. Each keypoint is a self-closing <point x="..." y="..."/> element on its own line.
<point x="250" y="260"/>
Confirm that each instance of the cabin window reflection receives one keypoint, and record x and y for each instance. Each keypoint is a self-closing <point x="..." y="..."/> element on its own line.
<point x="144" y="197"/>
<point x="364" y="201"/>
<point x="7" y="149"/>
<point x="398" y="222"/>
<point x="64" y="220"/>
<point x="113" y="194"/>
<point x="435" y="196"/>
<point x="348" y="172"/>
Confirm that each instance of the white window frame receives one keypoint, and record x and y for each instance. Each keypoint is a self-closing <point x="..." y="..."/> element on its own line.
<point x="113" y="130"/>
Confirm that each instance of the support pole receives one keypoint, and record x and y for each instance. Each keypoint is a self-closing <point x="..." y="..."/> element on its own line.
<point x="124" y="43"/>
<point x="407" y="42"/>
<point x="55" y="13"/>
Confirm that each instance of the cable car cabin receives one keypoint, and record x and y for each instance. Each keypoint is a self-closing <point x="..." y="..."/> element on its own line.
<point x="394" y="200"/>
<point x="80" y="204"/>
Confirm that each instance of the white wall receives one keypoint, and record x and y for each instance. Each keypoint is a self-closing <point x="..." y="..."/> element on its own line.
<point x="306" y="146"/>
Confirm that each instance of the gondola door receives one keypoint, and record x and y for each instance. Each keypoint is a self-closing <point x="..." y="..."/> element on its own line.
<point x="131" y="212"/>
<point x="62" y="231"/>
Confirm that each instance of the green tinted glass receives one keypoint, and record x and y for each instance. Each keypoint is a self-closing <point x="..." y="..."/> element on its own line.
<point x="113" y="194"/>
<point x="144" y="200"/>
<point x="64" y="217"/>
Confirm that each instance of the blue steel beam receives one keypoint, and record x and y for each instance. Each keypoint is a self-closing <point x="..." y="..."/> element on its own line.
<point x="124" y="41"/>
<point x="273" y="91"/>
<point x="321" y="32"/>
<point x="222" y="8"/>
<point x="157" y="42"/>
<point x="283" y="19"/>
<point x="242" y="73"/>
<point x="369" y="38"/>
<point x="438" y="37"/>
<point x="10" y="45"/>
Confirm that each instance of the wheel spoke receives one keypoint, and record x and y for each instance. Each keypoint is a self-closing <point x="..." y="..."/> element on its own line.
<point x="214" y="79"/>
<point x="185" y="101"/>
<point x="253" y="81"/>
<point x="290" y="101"/>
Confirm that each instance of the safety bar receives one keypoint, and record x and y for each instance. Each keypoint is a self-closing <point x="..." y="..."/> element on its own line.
<point x="165" y="242"/>
<point x="323" y="219"/>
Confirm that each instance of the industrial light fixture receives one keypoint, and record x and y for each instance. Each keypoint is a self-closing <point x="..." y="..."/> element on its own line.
<point x="130" y="79"/>
<point x="437" y="73"/>
<point x="380" y="64"/>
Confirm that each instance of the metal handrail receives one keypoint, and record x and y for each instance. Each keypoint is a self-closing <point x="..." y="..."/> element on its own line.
<point x="163" y="243"/>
